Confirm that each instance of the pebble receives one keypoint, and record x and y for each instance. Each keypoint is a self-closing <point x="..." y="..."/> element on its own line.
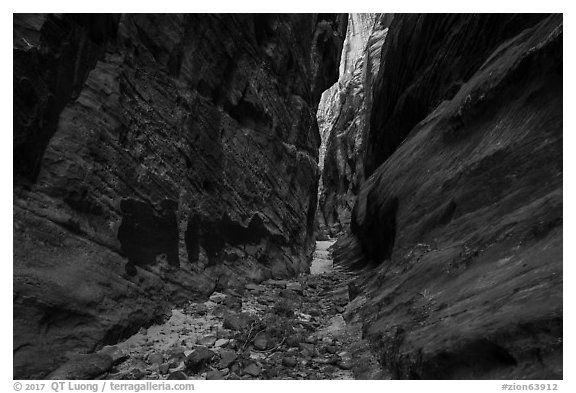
<point x="332" y="349"/>
<point x="200" y="309"/>
<point x="221" y="342"/>
<point x="265" y="299"/>
<point x="177" y="375"/>
<point x="207" y="341"/>
<point x="233" y="303"/>
<point x="294" y="286"/>
<point x="252" y="369"/>
<point x="198" y="359"/>
<point x="289" y="361"/>
<point x="294" y="340"/>
<point x="134" y="374"/>
<point x="155" y="358"/>
<point x="223" y="333"/>
<point x="232" y="292"/>
<point x="307" y="349"/>
<point x="311" y="339"/>
<point x="234" y="321"/>
<point x="214" y="375"/>
<point x="277" y="283"/>
<point x="176" y="359"/>
<point x="344" y="364"/>
<point x="261" y="342"/>
<point x="227" y="357"/>
<point x="217" y="297"/>
<point x="272" y="372"/>
<point x="255" y="287"/>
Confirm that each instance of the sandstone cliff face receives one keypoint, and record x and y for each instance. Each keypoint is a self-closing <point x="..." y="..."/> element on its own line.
<point x="158" y="157"/>
<point x="344" y="121"/>
<point x="358" y="30"/>
<point x="459" y="227"/>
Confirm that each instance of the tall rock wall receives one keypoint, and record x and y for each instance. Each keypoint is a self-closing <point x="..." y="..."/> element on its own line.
<point x="358" y="30"/>
<point x="344" y="121"/>
<point x="459" y="226"/>
<point x="357" y="34"/>
<point x="158" y="157"/>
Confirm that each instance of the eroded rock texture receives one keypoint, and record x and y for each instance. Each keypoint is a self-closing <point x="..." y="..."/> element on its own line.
<point x="344" y="121"/>
<point x="459" y="226"/>
<point x="158" y="157"/>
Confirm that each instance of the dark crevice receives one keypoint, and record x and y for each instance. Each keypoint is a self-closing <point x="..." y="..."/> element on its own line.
<point x="148" y="235"/>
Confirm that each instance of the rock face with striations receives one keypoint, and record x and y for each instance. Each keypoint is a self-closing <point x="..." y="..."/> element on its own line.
<point x="460" y="221"/>
<point x="344" y="119"/>
<point x="158" y="157"/>
<point x="358" y="30"/>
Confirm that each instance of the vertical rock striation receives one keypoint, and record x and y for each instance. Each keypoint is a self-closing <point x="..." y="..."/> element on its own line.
<point x="158" y="157"/>
<point x="459" y="226"/>
<point x="344" y="120"/>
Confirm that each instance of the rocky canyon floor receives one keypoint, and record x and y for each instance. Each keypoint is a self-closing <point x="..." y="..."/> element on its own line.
<point x="278" y="329"/>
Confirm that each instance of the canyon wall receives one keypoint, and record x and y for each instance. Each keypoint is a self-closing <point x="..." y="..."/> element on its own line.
<point x="457" y="231"/>
<point x="344" y="120"/>
<point x="156" y="158"/>
<point x="358" y="30"/>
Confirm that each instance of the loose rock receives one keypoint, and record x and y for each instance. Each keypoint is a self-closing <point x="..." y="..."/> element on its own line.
<point x="207" y="341"/>
<point x="221" y="342"/>
<point x="217" y="297"/>
<point x="198" y="359"/>
<point x="294" y="286"/>
<point x="156" y="358"/>
<point x="289" y="361"/>
<point x="214" y="375"/>
<point x="227" y="357"/>
<point x="252" y="369"/>
<point x="344" y="364"/>
<point x="234" y="321"/>
<point x="255" y="287"/>
<point x="261" y="342"/>
<point x="177" y="375"/>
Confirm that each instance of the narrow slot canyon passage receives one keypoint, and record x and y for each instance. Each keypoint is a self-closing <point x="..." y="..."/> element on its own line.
<point x="278" y="329"/>
<point x="274" y="329"/>
<point x="288" y="196"/>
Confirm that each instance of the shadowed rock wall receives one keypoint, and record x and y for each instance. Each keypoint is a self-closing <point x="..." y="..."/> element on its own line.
<point x="158" y="157"/>
<point x="458" y="230"/>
